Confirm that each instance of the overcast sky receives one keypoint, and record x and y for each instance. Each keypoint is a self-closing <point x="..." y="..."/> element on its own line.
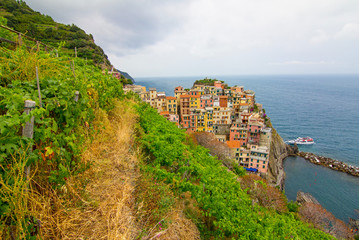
<point x="218" y="37"/>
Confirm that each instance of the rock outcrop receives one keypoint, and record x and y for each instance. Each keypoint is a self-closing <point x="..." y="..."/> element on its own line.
<point x="303" y="197"/>
<point x="279" y="150"/>
<point x="311" y="211"/>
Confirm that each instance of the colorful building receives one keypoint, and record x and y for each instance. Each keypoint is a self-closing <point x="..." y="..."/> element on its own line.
<point x="230" y="113"/>
<point x="172" y="105"/>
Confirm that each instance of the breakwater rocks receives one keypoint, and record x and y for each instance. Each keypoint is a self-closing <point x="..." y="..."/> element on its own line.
<point x="330" y="163"/>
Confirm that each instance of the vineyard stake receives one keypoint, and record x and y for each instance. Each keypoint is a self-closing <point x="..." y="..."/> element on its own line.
<point x="72" y="65"/>
<point x="28" y="130"/>
<point x="76" y="98"/>
<point x="38" y="86"/>
<point x="20" y="40"/>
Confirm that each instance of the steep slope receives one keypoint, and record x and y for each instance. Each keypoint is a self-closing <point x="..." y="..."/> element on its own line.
<point x="278" y="152"/>
<point x="226" y="209"/>
<point x="41" y="27"/>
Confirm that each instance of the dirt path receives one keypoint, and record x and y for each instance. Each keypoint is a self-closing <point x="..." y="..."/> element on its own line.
<point x="107" y="209"/>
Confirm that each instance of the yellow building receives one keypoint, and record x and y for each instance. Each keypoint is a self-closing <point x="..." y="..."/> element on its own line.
<point x="208" y="119"/>
<point x="201" y="123"/>
<point x="171" y="105"/>
<point x="161" y="103"/>
<point x="195" y="102"/>
<point x="198" y="87"/>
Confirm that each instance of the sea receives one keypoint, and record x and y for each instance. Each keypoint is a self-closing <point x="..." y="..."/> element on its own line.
<point x="324" y="107"/>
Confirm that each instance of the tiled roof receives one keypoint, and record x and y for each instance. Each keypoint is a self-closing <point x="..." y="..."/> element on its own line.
<point x="171" y="98"/>
<point x="233" y="144"/>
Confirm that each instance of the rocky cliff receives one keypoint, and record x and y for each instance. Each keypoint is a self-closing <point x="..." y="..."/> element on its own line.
<point x="279" y="150"/>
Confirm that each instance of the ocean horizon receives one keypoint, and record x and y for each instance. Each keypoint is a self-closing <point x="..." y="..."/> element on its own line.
<point x="322" y="106"/>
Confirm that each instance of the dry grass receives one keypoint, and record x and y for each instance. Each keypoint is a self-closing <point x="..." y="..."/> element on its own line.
<point x="101" y="202"/>
<point x="105" y="208"/>
<point x="179" y="229"/>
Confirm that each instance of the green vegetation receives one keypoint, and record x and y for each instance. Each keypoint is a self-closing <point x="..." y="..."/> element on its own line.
<point x="41" y="27"/>
<point x="227" y="210"/>
<point x="206" y="81"/>
<point x="172" y="169"/>
<point x="61" y="127"/>
<point x="172" y="165"/>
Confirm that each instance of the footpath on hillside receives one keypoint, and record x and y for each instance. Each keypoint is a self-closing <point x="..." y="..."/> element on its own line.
<point x="109" y="207"/>
<point x="105" y="209"/>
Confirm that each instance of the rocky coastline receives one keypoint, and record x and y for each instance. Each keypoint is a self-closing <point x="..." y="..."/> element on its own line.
<point x="330" y="163"/>
<point x="279" y="150"/>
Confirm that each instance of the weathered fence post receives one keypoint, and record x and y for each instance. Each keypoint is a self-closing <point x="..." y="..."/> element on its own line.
<point x="76" y="98"/>
<point x="20" y="39"/>
<point x="38" y="45"/>
<point x="38" y="86"/>
<point x="28" y="130"/>
<point x="72" y="64"/>
<point x="75" y="52"/>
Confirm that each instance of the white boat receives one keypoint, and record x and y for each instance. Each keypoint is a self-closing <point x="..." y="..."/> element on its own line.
<point x="302" y="141"/>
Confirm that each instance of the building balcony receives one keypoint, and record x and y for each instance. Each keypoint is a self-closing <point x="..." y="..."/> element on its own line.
<point x="255" y="158"/>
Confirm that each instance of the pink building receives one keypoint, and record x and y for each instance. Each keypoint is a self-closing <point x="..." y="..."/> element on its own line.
<point x="218" y="84"/>
<point x="238" y="132"/>
<point x="194" y="93"/>
<point x="206" y="101"/>
<point x="174" y="118"/>
<point x="259" y="158"/>
<point x="254" y="133"/>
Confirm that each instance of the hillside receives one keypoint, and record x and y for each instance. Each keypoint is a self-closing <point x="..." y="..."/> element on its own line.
<point x="41" y="27"/>
<point x="99" y="163"/>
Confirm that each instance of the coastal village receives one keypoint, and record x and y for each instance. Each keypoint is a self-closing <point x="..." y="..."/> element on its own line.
<point x="230" y="113"/>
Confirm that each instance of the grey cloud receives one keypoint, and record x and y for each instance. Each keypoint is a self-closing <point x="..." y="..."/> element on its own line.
<point x="126" y="25"/>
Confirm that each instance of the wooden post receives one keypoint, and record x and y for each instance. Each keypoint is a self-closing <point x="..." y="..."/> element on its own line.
<point x="57" y="53"/>
<point x="73" y="68"/>
<point x="38" y="45"/>
<point x="76" y="98"/>
<point x="20" y="39"/>
<point x="28" y="130"/>
<point x="75" y="52"/>
<point x="38" y="86"/>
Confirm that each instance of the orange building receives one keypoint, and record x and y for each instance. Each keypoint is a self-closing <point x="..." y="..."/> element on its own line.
<point x="166" y="114"/>
<point x="178" y="92"/>
<point x="223" y="101"/>
<point x="185" y="110"/>
<point x="235" y="148"/>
